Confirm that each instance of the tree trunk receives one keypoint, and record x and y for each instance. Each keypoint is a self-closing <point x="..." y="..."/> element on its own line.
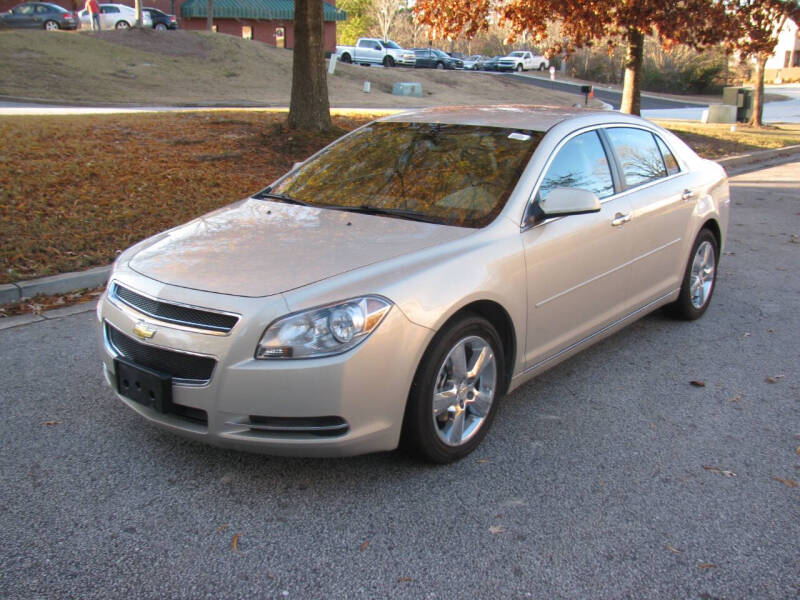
<point x="309" y="108"/>
<point x="210" y="15"/>
<point x="632" y="87"/>
<point x="137" y="5"/>
<point x="757" y="119"/>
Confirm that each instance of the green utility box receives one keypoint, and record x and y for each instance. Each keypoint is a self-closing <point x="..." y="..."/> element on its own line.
<point x="742" y="99"/>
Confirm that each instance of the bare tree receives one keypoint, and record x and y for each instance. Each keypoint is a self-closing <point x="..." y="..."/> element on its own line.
<point x="209" y="15"/>
<point x="384" y="14"/>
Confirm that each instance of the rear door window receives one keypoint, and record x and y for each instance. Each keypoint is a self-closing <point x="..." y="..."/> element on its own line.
<point x="639" y="155"/>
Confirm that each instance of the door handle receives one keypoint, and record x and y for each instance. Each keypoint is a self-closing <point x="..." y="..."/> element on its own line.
<point x="687" y="195"/>
<point x="620" y="219"/>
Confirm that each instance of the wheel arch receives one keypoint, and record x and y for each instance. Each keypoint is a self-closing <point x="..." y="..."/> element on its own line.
<point x="501" y="321"/>
<point x="713" y="226"/>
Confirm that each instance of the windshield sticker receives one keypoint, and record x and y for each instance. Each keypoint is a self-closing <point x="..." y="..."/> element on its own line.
<point x="522" y="137"/>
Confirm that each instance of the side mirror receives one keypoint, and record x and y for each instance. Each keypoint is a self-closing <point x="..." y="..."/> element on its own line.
<point x="564" y="201"/>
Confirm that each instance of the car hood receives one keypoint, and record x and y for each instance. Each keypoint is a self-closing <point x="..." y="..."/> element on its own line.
<point x="259" y="248"/>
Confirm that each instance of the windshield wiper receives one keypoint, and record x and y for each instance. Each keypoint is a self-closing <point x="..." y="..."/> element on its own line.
<point x="402" y="213"/>
<point x="268" y="194"/>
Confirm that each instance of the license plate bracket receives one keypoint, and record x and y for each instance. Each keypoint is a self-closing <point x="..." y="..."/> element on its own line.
<point x="146" y="386"/>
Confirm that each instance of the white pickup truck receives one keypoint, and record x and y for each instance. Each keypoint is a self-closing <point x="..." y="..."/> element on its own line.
<point x="522" y="60"/>
<point x="374" y="51"/>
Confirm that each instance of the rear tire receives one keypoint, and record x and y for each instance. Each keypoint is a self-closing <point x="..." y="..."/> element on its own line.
<point x="699" y="279"/>
<point x="346" y="59"/>
<point x="541" y="67"/>
<point x="122" y="25"/>
<point x="455" y="392"/>
<point x="51" y="25"/>
<point x="160" y="27"/>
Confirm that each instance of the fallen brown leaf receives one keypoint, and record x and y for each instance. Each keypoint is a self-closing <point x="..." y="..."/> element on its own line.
<point x="797" y="451"/>
<point x="495" y="529"/>
<point x="235" y="542"/>
<point x="787" y="482"/>
<point x="405" y="579"/>
<point x="697" y="383"/>
<point x="51" y="423"/>
<point x="222" y="527"/>
<point x="720" y="471"/>
<point x="673" y="549"/>
<point x="773" y="378"/>
<point x="736" y="398"/>
<point x="482" y="461"/>
<point x="364" y="546"/>
<point x="706" y="566"/>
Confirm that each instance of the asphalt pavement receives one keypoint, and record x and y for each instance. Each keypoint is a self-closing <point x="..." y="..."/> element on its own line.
<point x="608" y="95"/>
<point x="610" y="476"/>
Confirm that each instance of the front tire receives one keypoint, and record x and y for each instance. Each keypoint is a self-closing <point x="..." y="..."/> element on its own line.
<point x="51" y="25"/>
<point x="388" y="62"/>
<point x="439" y="66"/>
<point x="699" y="279"/>
<point x="455" y="392"/>
<point x="519" y="68"/>
<point x="122" y="25"/>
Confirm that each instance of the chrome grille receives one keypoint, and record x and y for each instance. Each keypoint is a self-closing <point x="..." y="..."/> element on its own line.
<point x="175" y="313"/>
<point x="181" y="366"/>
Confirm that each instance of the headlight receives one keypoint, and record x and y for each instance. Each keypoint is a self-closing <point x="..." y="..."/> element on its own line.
<point x="323" y="331"/>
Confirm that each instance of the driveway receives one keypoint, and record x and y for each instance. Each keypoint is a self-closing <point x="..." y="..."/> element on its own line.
<point x="610" y="476"/>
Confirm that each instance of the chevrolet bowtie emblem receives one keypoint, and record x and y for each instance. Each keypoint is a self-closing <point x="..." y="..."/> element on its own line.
<point x="143" y="330"/>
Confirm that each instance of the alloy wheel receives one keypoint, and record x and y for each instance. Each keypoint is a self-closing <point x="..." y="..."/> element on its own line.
<point x="464" y="390"/>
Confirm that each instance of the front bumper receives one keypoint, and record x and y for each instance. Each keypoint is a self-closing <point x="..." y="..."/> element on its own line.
<point x="365" y="388"/>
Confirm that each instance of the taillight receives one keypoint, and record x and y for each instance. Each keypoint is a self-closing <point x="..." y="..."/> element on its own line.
<point x="171" y="19"/>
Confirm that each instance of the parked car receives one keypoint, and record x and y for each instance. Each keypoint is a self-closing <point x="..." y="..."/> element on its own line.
<point x="392" y="287"/>
<point x="38" y="15"/>
<point x="522" y="60"/>
<point x="374" y="51"/>
<point x="115" y="16"/>
<point x="432" y="58"/>
<point x="474" y="62"/>
<point x="161" y="20"/>
<point x="490" y="64"/>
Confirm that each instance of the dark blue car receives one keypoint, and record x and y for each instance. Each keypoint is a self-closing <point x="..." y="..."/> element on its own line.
<point x="39" y="15"/>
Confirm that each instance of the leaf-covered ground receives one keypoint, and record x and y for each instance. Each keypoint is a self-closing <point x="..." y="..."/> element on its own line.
<point x="76" y="190"/>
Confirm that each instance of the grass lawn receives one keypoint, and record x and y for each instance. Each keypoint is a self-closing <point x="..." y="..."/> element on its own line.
<point x="714" y="140"/>
<point x="76" y="190"/>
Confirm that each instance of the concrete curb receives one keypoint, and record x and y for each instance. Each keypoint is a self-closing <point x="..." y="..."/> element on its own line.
<point x="55" y="284"/>
<point x="69" y="282"/>
<point x="755" y="158"/>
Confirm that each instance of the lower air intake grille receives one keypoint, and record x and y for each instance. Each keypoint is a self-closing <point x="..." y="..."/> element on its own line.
<point x="186" y="367"/>
<point x="317" y="426"/>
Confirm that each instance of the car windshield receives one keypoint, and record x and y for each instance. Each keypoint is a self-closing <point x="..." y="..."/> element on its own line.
<point x="516" y="54"/>
<point x="450" y="174"/>
<point x="391" y="45"/>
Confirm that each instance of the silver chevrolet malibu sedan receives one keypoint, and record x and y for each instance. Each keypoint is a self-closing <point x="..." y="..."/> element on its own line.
<point x="393" y="287"/>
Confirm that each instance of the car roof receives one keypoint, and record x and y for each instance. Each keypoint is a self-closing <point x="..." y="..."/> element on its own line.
<point x="533" y="118"/>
